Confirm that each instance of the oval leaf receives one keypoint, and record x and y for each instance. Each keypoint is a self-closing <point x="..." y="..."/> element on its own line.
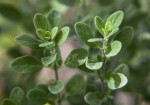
<point x="113" y="32"/>
<point x="28" y="41"/>
<point x="18" y="96"/>
<point x="125" y="36"/>
<point x="48" y="60"/>
<point x="8" y="102"/>
<point x="75" y="84"/>
<point x="54" y="32"/>
<point x="117" y="81"/>
<point x="38" y="97"/>
<point x="62" y="36"/>
<point x="93" y="65"/>
<point x="56" y="87"/>
<point x="45" y="44"/>
<point x="54" y="17"/>
<point x="114" y="49"/>
<point x="122" y="68"/>
<point x="96" y="40"/>
<point x="40" y="22"/>
<point x="84" y="32"/>
<point x="41" y="33"/>
<point x="93" y="98"/>
<point x="75" y="57"/>
<point x="115" y="19"/>
<point x="26" y="64"/>
<point x="100" y="25"/>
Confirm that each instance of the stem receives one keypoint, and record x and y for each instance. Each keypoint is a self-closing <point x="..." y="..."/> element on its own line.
<point x="56" y="71"/>
<point x="84" y="8"/>
<point x="57" y="78"/>
<point x="103" y="73"/>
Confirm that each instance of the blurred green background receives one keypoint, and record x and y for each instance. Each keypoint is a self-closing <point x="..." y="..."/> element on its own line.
<point x="16" y="17"/>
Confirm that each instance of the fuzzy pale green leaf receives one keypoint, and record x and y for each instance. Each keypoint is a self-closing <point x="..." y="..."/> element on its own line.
<point x="122" y="68"/>
<point x="125" y="36"/>
<point x="54" y="17"/>
<point x="45" y="44"/>
<point x="41" y="22"/>
<point x="114" y="49"/>
<point x="113" y="32"/>
<point x="54" y="32"/>
<point x="100" y="25"/>
<point x="28" y="41"/>
<point x="48" y="60"/>
<point x="75" y="84"/>
<point x="117" y="81"/>
<point x="115" y="19"/>
<point x="96" y="40"/>
<point x="40" y="97"/>
<point x="84" y="32"/>
<point x="56" y="86"/>
<point x="62" y="36"/>
<point x="26" y="64"/>
<point x="18" y="96"/>
<point x="93" y="65"/>
<point x="93" y="98"/>
<point x="75" y="57"/>
<point x="41" y="33"/>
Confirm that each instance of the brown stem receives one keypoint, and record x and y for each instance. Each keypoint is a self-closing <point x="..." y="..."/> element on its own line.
<point x="57" y="78"/>
<point x="103" y="73"/>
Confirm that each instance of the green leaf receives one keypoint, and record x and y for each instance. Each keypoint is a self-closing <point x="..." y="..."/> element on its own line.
<point x="45" y="44"/>
<point x="62" y="36"/>
<point x="41" y="22"/>
<point x="75" y="84"/>
<point x="40" y="97"/>
<point x="84" y="32"/>
<point x="54" y="17"/>
<point x="100" y="25"/>
<point x="114" y="49"/>
<point x="56" y="86"/>
<point x="48" y="60"/>
<point x="26" y="64"/>
<point x="122" y="68"/>
<point x="113" y="32"/>
<point x="115" y="19"/>
<point x="93" y="98"/>
<point x="93" y="65"/>
<point x="125" y="36"/>
<point x="76" y="100"/>
<point x="70" y="3"/>
<point x="58" y="59"/>
<point x="96" y="40"/>
<point x="8" y="102"/>
<point x="41" y="33"/>
<point x="75" y="57"/>
<point x="18" y="96"/>
<point x="85" y="69"/>
<point x="90" y="88"/>
<point x="28" y="41"/>
<point x="54" y="32"/>
<point x="117" y="81"/>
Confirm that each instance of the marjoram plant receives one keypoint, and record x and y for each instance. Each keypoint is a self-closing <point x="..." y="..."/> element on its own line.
<point x="51" y="35"/>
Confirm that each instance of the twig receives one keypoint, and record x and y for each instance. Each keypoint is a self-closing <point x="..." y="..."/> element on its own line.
<point x="103" y="73"/>
<point x="57" y="78"/>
